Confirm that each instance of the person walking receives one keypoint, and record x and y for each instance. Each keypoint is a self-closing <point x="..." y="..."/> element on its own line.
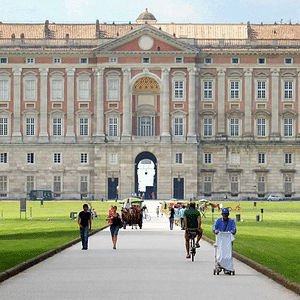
<point x="85" y="225"/>
<point x="157" y="211"/>
<point x="116" y="223"/>
<point x="171" y="218"/>
<point x="182" y="211"/>
<point x="176" y="217"/>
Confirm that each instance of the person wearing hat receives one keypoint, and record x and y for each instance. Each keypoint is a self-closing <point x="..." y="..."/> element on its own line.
<point x="225" y="223"/>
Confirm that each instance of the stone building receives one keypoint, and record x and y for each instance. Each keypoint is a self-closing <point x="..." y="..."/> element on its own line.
<point x="213" y="109"/>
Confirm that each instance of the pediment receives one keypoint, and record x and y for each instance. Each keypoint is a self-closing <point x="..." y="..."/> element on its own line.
<point x="146" y="39"/>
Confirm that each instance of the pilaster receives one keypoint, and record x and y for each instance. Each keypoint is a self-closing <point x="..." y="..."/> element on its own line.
<point x="43" y="136"/>
<point x="127" y="115"/>
<point x="221" y="103"/>
<point x="70" y="135"/>
<point x="165" y="105"/>
<point x="192" y="132"/>
<point x="99" y="99"/>
<point x="17" y="135"/>
<point x="275" y="133"/>
<point x="248" y="103"/>
<point x="298" y="135"/>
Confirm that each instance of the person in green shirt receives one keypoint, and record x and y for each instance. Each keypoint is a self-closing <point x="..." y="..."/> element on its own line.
<point x="192" y="222"/>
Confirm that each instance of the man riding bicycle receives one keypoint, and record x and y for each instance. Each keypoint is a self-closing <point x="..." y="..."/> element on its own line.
<point x="192" y="223"/>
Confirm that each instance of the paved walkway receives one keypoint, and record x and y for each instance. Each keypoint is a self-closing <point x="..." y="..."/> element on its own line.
<point x="148" y="264"/>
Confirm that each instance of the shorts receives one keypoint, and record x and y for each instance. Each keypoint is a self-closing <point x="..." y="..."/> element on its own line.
<point x="114" y="230"/>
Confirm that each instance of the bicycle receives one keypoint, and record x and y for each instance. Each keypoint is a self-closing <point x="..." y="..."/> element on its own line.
<point x="192" y="236"/>
<point x="147" y="217"/>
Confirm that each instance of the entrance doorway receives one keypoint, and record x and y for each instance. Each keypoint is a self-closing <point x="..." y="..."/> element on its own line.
<point x="178" y="184"/>
<point x="113" y="185"/>
<point x="146" y="175"/>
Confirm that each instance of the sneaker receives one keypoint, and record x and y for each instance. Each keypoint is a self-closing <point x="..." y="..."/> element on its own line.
<point x="188" y="256"/>
<point x="197" y="245"/>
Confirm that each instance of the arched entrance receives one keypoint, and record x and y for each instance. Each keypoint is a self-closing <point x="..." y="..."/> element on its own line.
<point x="146" y="175"/>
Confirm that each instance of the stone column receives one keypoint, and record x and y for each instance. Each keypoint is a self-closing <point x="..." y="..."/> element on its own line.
<point x="192" y="132"/>
<point x="43" y="136"/>
<point x="165" y="106"/>
<point x="127" y="113"/>
<point x="17" y="135"/>
<point x="248" y="103"/>
<point x="221" y="103"/>
<point x="99" y="99"/>
<point x="298" y="135"/>
<point x="275" y="133"/>
<point x="70" y="135"/>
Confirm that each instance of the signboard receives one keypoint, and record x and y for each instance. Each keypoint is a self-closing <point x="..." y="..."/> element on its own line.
<point x="23" y="205"/>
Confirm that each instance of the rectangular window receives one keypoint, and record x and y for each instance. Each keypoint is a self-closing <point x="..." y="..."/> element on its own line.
<point x="3" y="158"/>
<point x="56" y="60"/>
<point x="234" y="89"/>
<point x="3" y="60"/>
<point x="178" y="89"/>
<point x="84" y="90"/>
<point x="4" y="90"/>
<point x="146" y="126"/>
<point x="113" y="89"/>
<point x="207" y="127"/>
<point x="113" y="60"/>
<point x="57" y="158"/>
<point x="288" y="127"/>
<point x="83" y="126"/>
<point x="57" y="126"/>
<point x="288" y="89"/>
<point x="178" y="60"/>
<point x="30" y="158"/>
<point x="288" y="61"/>
<point x="178" y="127"/>
<point x="261" y="90"/>
<point x="57" y="186"/>
<point x="207" y="60"/>
<point x="261" y="127"/>
<point x="83" y="60"/>
<point x="288" y="158"/>
<point x="30" y="122"/>
<point x="57" y="89"/>
<point x="3" y="126"/>
<point x="207" y="158"/>
<point x="261" y="158"/>
<point x="146" y="60"/>
<point x="178" y="158"/>
<point x="30" y="89"/>
<point x="113" y="158"/>
<point x="30" y="60"/>
<point x="113" y="127"/>
<point x="207" y="185"/>
<point x="3" y="185"/>
<point x="235" y="60"/>
<point x="83" y="185"/>
<point x="234" y="127"/>
<point x="235" y="159"/>
<point x="261" y="60"/>
<point x="29" y="183"/>
<point x="83" y="158"/>
<point x="207" y="89"/>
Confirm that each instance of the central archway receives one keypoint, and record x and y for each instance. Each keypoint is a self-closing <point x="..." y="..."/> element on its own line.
<point x="146" y="162"/>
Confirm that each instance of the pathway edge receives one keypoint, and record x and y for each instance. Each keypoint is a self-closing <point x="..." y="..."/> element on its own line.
<point x="287" y="283"/>
<point x="35" y="260"/>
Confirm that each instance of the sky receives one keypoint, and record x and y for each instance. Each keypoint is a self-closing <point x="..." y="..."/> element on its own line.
<point x="165" y="11"/>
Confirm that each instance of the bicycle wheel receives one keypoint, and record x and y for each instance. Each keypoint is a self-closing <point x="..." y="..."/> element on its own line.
<point x="193" y="249"/>
<point x="148" y="218"/>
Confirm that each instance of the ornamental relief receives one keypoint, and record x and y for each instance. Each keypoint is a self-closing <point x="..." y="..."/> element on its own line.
<point x="146" y="84"/>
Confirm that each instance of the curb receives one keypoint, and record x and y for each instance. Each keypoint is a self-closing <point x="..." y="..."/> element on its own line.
<point x="35" y="260"/>
<point x="287" y="283"/>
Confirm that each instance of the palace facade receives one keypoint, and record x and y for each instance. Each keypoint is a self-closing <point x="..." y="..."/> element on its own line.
<point x="214" y="108"/>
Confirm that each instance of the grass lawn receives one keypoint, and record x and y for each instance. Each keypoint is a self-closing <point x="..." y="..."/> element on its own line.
<point x="22" y="239"/>
<point x="274" y="242"/>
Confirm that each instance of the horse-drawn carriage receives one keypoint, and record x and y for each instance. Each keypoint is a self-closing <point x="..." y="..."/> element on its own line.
<point x="132" y="214"/>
